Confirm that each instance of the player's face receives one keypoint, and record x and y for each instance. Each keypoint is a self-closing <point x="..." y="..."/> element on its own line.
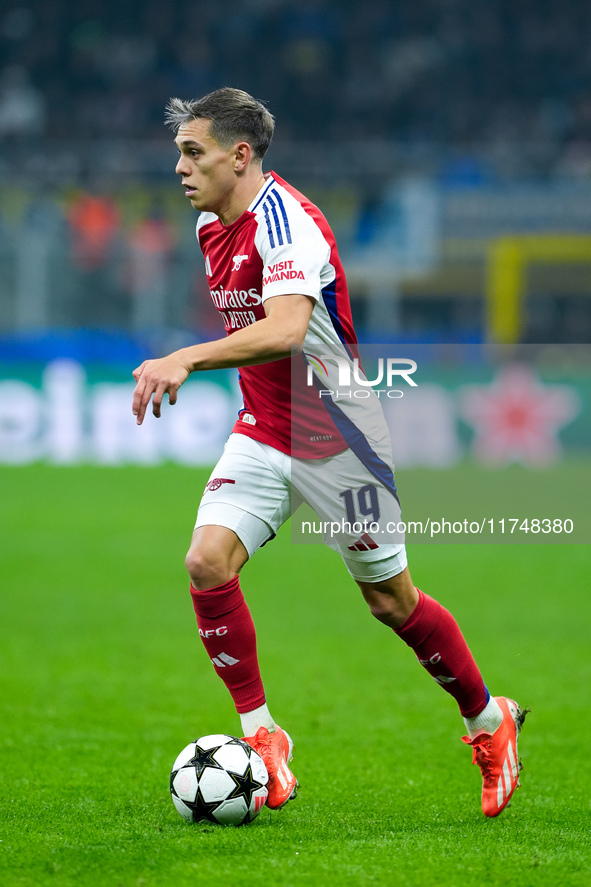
<point x="207" y="170"/>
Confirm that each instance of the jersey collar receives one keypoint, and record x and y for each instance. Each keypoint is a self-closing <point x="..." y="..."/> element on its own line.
<point x="269" y="182"/>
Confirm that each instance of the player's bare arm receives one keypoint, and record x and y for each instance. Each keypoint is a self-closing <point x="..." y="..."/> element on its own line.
<point x="272" y="338"/>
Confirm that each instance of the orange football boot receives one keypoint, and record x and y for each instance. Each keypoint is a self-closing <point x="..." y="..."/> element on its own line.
<point x="496" y="755"/>
<point x="276" y="750"/>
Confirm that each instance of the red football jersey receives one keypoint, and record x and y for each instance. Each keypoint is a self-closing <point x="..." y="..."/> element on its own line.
<point x="281" y="245"/>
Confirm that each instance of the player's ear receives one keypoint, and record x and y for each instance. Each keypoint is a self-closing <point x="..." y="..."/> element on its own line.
<point x="242" y="156"/>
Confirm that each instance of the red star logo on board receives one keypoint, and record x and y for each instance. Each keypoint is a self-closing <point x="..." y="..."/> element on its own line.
<point x="517" y="418"/>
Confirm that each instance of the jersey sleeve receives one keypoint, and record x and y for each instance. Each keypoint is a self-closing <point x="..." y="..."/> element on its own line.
<point x="293" y="249"/>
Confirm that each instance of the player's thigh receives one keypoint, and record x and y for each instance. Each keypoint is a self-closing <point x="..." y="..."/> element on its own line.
<point x="247" y="492"/>
<point x="351" y="501"/>
<point x="360" y="512"/>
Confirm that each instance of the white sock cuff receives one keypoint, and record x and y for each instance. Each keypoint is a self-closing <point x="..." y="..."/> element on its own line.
<point x="258" y="717"/>
<point x="487" y="721"/>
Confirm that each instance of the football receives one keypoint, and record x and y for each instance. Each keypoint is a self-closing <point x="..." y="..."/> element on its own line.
<point x="219" y="779"/>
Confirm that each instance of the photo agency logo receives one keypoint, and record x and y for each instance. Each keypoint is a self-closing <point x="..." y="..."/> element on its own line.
<point x="340" y="375"/>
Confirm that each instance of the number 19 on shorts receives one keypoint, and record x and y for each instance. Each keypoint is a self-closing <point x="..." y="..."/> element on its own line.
<point x="363" y="504"/>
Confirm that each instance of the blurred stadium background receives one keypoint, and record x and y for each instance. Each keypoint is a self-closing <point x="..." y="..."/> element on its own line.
<point x="447" y="141"/>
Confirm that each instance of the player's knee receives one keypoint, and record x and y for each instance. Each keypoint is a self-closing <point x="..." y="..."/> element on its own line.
<point x="383" y="611"/>
<point x="391" y="601"/>
<point x="206" y="568"/>
<point x="388" y="609"/>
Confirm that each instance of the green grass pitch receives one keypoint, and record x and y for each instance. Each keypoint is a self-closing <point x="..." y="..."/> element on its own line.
<point x="104" y="680"/>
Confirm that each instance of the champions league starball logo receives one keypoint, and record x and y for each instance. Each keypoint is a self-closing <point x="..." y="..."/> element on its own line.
<point x="343" y="374"/>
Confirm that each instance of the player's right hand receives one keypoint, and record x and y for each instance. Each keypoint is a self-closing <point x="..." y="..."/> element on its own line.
<point x="154" y="379"/>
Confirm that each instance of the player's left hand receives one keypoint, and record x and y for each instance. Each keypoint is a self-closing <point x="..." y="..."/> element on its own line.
<point x="154" y="379"/>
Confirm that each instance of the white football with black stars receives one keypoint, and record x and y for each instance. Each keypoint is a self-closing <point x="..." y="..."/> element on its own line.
<point x="219" y="779"/>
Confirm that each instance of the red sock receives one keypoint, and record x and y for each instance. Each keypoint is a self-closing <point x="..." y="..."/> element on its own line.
<point x="227" y="631"/>
<point x="435" y="637"/>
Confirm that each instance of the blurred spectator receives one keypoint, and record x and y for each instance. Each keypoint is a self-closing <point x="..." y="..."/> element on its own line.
<point x="94" y="224"/>
<point x="576" y="160"/>
<point x="464" y="169"/>
<point x="97" y="296"/>
<point x="22" y="105"/>
<point x="194" y="73"/>
<point x="152" y="241"/>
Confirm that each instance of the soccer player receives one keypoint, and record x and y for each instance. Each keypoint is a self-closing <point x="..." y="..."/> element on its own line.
<point x="276" y="278"/>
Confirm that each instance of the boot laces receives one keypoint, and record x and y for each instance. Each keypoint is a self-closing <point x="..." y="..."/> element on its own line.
<point x="483" y="755"/>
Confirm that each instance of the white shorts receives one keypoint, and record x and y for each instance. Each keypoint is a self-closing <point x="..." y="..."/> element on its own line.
<point x="254" y="488"/>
